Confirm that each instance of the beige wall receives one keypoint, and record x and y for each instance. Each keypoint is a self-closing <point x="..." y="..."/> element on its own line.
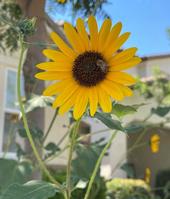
<point x="143" y="157"/>
<point x="57" y="132"/>
<point x="145" y="68"/>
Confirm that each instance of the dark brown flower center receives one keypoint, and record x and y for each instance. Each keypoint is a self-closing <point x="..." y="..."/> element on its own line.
<point x="89" y="68"/>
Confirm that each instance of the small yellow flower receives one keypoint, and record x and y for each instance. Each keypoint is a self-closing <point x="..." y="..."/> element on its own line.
<point x="147" y="175"/>
<point x="155" y="143"/>
<point x="61" y="1"/>
<point x="88" y="71"/>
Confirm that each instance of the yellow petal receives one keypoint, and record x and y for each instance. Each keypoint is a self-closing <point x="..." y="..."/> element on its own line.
<point x="54" y="66"/>
<point x="93" y="32"/>
<point x="57" y="87"/>
<point x="73" y="37"/>
<point x="121" y="78"/>
<point x="104" y="32"/>
<point x="53" y="75"/>
<point x="93" y="100"/>
<point x="80" y="104"/>
<point x="123" y="56"/>
<point x="66" y="94"/>
<point x="112" y="36"/>
<point x="104" y="100"/>
<point x="116" y="45"/>
<point x="69" y="103"/>
<point x="123" y="66"/>
<point x="112" y="89"/>
<point x="82" y="32"/>
<point x="56" y="56"/>
<point x="63" y="46"/>
<point x="126" y="91"/>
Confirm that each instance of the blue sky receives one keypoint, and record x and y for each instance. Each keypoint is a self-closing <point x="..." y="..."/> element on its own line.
<point x="148" y="21"/>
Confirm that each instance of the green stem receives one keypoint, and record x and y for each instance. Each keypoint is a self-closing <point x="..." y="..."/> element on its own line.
<point x="43" y="167"/>
<point x="39" y="43"/>
<point x="72" y="145"/>
<point x="51" y="125"/>
<point x="90" y="134"/>
<point x="98" y="165"/>
<point x="57" y="154"/>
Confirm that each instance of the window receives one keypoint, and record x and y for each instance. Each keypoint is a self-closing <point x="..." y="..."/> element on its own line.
<point x="10" y="111"/>
<point x="11" y="91"/>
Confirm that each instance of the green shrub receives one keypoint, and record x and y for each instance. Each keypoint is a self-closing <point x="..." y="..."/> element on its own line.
<point x="98" y="190"/>
<point x="128" y="189"/>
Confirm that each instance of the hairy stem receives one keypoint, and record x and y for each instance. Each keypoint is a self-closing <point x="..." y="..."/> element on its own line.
<point x="72" y="145"/>
<point x="36" y="153"/>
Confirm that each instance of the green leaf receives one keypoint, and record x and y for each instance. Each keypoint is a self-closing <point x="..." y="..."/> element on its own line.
<point x="166" y="100"/>
<point x="52" y="148"/>
<point x="121" y="110"/>
<point x="134" y="128"/>
<point x="30" y="190"/>
<point x="161" y="110"/>
<point x="35" y="132"/>
<point x="37" y="101"/>
<point x="12" y="171"/>
<point x="129" y="169"/>
<point x="20" y="151"/>
<point x="84" y="163"/>
<point x="108" y="121"/>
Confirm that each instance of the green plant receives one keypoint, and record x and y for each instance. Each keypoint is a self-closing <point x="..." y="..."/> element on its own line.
<point x="128" y="189"/>
<point x="81" y="178"/>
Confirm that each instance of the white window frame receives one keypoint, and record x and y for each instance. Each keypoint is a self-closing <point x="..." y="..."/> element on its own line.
<point x="10" y="155"/>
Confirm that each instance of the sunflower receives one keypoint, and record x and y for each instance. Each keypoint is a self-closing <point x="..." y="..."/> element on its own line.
<point x="87" y="69"/>
<point x="61" y="1"/>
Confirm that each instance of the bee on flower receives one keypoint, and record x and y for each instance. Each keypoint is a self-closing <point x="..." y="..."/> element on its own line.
<point x="88" y="72"/>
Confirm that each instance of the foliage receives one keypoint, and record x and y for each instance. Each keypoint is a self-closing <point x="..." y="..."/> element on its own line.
<point x="32" y="189"/>
<point x="17" y="172"/>
<point x="12" y="171"/>
<point x="37" y="101"/>
<point x="121" y="110"/>
<point x="128" y="189"/>
<point x="82" y="167"/>
<point x="12" y="21"/>
<point x="84" y="163"/>
<point x="10" y="15"/>
<point x="88" y="7"/>
<point x="157" y="87"/>
<point x="81" y="8"/>
<point x="108" y="121"/>
<point x="99" y="190"/>
<point x="129" y="169"/>
<point x="161" y="111"/>
<point x="12" y="24"/>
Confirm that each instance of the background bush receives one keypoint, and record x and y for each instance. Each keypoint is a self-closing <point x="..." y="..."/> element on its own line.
<point x="128" y="189"/>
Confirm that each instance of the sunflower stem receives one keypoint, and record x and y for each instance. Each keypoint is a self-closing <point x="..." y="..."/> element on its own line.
<point x="35" y="151"/>
<point x="72" y="146"/>
<point x="96" y="168"/>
